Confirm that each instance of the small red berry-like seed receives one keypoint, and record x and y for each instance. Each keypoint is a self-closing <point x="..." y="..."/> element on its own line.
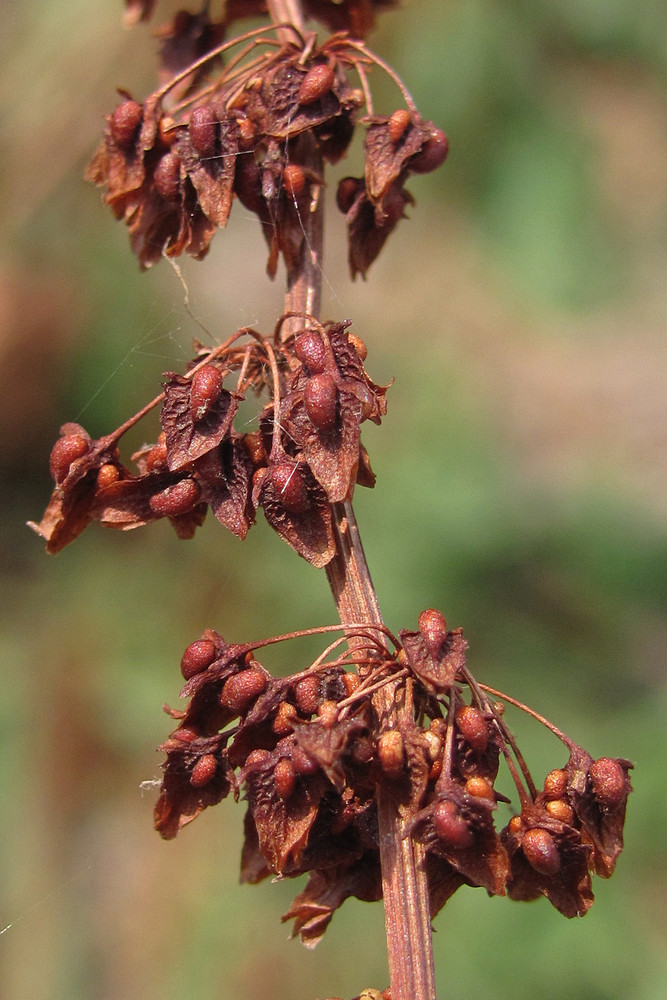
<point x="432" y="154"/>
<point x="303" y="763"/>
<point x="241" y="689"/>
<point x="125" y="122"/>
<point x="391" y="753"/>
<point x="203" y="129"/>
<point x="473" y="727"/>
<point x="177" y="499"/>
<point x="311" y="352"/>
<point x="65" y="451"/>
<point x="350" y="682"/>
<point x="156" y="458"/>
<point x="197" y="657"/>
<point x="540" y="851"/>
<point x="451" y="827"/>
<point x="435" y="770"/>
<point x="515" y="825"/>
<point x="284" y="718"/>
<point x="167" y="177"/>
<point x="205" y="390"/>
<point x="560" y="810"/>
<point x="480" y="787"/>
<point x="246" y="131"/>
<point x="289" y="487"/>
<point x="285" y="778"/>
<point x="433" y="745"/>
<point x="167" y="130"/>
<point x="203" y="771"/>
<point x="347" y="191"/>
<point x="254" y="445"/>
<point x="608" y="781"/>
<point x="185" y="734"/>
<point x="307" y="694"/>
<point x="316" y="83"/>
<point x="327" y="713"/>
<point x="433" y="627"/>
<point x="555" y="784"/>
<point x="248" y="183"/>
<point x="294" y="180"/>
<point x="320" y="400"/>
<point x="107" y="475"/>
<point x="358" y="345"/>
<point x="397" y="124"/>
<point x="257" y="757"/>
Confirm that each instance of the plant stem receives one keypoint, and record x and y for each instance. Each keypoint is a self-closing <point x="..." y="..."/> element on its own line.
<point x="404" y="884"/>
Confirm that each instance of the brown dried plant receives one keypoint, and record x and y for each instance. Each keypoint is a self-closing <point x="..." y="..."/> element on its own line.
<point x="372" y="768"/>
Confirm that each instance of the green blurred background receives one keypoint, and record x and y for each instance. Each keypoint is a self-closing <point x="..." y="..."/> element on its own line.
<point x="521" y="489"/>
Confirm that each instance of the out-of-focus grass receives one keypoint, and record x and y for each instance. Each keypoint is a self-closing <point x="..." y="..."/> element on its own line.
<point x="520" y="489"/>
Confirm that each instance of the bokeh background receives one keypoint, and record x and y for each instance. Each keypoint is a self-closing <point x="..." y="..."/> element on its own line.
<point x="522" y="489"/>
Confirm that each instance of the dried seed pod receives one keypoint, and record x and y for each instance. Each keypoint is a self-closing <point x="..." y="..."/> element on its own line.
<point x="540" y="851"/>
<point x="240" y="690"/>
<point x="432" y="154"/>
<point x="307" y="694"/>
<point x="391" y="752"/>
<point x="246" y="131"/>
<point x="107" y="475"/>
<point x="560" y="810"/>
<point x="203" y="129"/>
<point x="320" y="399"/>
<point x="316" y="83"/>
<point x="555" y="784"/>
<point x="204" y="771"/>
<point x="397" y="124"/>
<point x="177" y="499"/>
<point x="608" y="781"/>
<point x="289" y="486"/>
<point x="125" y="122"/>
<point x="284" y="719"/>
<point x="450" y="826"/>
<point x="284" y="776"/>
<point x="167" y="177"/>
<point x="185" y="734"/>
<point x="350" y="681"/>
<point x="473" y="727"/>
<point x="197" y="657"/>
<point x="434" y="745"/>
<point x="294" y="179"/>
<point x="311" y="352"/>
<point x="257" y="757"/>
<point x="515" y="825"/>
<point x="347" y="191"/>
<point x="156" y="458"/>
<point x="167" y="130"/>
<point x="358" y="345"/>
<point x="302" y="762"/>
<point x="205" y="390"/>
<point x="433" y="627"/>
<point x="65" y="451"/>
<point x="480" y="787"/>
<point x="327" y="713"/>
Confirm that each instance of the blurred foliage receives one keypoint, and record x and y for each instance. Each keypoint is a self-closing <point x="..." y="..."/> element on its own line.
<point x="521" y="489"/>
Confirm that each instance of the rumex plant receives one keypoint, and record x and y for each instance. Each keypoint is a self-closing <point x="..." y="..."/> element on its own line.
<point x="371" y="769"/>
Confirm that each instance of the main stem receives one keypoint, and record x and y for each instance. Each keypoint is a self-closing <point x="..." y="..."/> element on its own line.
<point x="404" y="884"/>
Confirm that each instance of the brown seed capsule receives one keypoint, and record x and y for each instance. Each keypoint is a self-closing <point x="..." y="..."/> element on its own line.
<point x="358" y="345"/>
<point x="156" y="458"/>
<point x="205" y="390"/>
<point x="391" y="752"/>
<point x="284" y="776"/>
<point x="433" y="627"/>
<point x="320" y="399"/>
<point x="451" y="827"/>
<point x="257" y="757"/>
<point x="289" y="487"/>
<point x="555" y="784"/>
<point x="167" y="177"/>
<point x="246" y="132"/>
<point x="316" y="83"/>
<point x="432" y="154"/>
<point x="350" y="682"/>
<point x="203" y="129"/>
<point x="480" y="787"/>
<point x="307" y="694"/>
<point x="302" y="762"/>
<point x="327" y="713"/>
<point x="311" y="352"/>
<point x="294" y="180"/>
<point x="167" y="130"/>
<point x="434" y="746"/>
<point x="177" y="499"/>
<point x="107" y="475"/>
<point x="560" y="810"/>
<point x="185" y="734"/>
<point x="125" y="122"/>
<point x="347" y="191"/>
<point x="473" y="727"/>
<point x="240" y="690"/>
<point x="203" y="771"/>
<point x="540" y="851"/>
<point x="397" y="124"/>
<point x="65" y="451"/>
<point x="197" y="657"/>
<point x="284" y="719"/>
<point x="248" y="183"/>
<point x="608" y="781"/>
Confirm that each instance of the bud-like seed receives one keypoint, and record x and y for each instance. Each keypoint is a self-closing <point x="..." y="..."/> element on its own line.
<point x="391" y="752"/>
<point x="125" y="122"/>
<point x="205" y="390"/>
<point x="307" y="694"/>
<point x="397" y="124"/>
<point x="350" y="681"/>
<point x="289" y="487"/>
<point x="358" y="345"/>
<point x="294" y="180"/>
<point x="311" y="352"/>
<point x="560" y="810"/>
<point x="185" y="734"/>
<point x="107" y="475"/>
<point x="285" y="778"/>
<point x="451" y="827"/>
<point x="433" y="627"/>
<point x="284" y="719"/>
<point x="432" y="154"/>
<point x="347" y="191"/>
<point x="555" y="784"/>
<point x="167" y="177"/>
<point x="203" y="129"/>
<point x="540" y="851"/>
<point x="320" y="399"/>
<point x="480" y="787"/>
<point x="327" y="713"/>
<point x="433" y="745"/>
<point x="241" y="689"/>
<point x="156" y="458"/>
<point x="197" y="657"/>
<point x="248" y="183"/>
<point x="515" y="824"/>
<point x="177" y="499"/>
<point x="608" y="781"/>
<point x="246" y="131"/>
<point x="167" y="130"/>
<point x="203" y="771"/>
<point x="257" y="757"/>
<point x="473" y="727"/>
<point x="302" y="762"/>
<point x="316" y="83"/>
<point x="65" y="451"/>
